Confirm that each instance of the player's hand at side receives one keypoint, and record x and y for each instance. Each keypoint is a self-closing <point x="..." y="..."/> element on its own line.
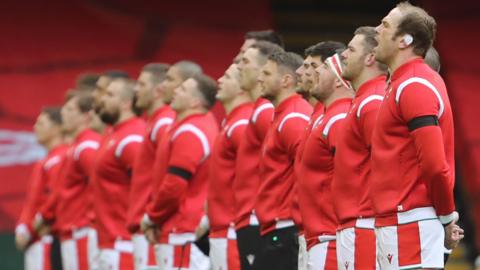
<point x="21" y="241"/>
<point x="151" y="233"/>
<point x="453" y="234"/>
<point x="202" y="227"/>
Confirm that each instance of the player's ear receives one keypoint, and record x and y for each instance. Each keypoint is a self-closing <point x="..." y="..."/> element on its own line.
<point x="369" y="60"/>
<point x="406" y="41"/>
<point x="338" y="83"/>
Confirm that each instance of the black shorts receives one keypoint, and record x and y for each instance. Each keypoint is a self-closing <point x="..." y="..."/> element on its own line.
<point x="248" y="242"/>
<point x="279" y="250"/>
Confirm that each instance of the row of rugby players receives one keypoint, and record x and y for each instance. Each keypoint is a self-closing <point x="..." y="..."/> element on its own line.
<point x="293" y="178"/>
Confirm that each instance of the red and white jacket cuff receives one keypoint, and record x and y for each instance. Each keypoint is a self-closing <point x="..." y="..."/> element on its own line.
<point x="449" y="218"/>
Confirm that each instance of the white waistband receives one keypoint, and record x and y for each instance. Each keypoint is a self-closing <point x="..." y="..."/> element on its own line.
<point x="180" y="238"/>
<point x="231" y="233"/>
<point x="365" y="223"/>
<point x="80" y="233"/>
<point x="416" y="214"/>
<point x="253" y="219"/>
<point x="284" y="224"/>
<point x="325" y="238"/>
<point x="123" y="246"/>
<point x="47" y="239"/>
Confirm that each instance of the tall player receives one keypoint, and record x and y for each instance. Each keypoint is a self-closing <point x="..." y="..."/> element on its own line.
<point x="78" y="242"/>
<point x="37" y="244"/>
<point x="221" y="199"/>
<point x="247" y="179"/>
<point x="314" y="57"/>
<point x="112" y="173"/>
<point x="254" y="36"/>
<point x="316" y="165"/>
<point x="411" y="187"/>
<point x="101" y="87"/>
<point x="179" y="197"/>
<point x="160" y="117"/>
<point x="279" y="246"/>
<point x="356" y="235"/>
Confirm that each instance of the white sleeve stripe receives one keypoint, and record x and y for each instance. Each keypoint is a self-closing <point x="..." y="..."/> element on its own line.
<point x="84" y="145"/>
<point x="428" y="84"/>
<point x="51" y="162"/>
<point x="235" y="125"/>
<point x="290" y="116"/>
<point x="261" y="108"/>
<point x="125" y="141"/>
<point x="332" y="121"/>
<point x="366" y="101"/>
<point x="160" y="123"/>
<point x="198" y="133"/>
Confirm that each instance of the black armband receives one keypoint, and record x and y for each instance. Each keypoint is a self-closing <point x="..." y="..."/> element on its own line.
<point x="180" y="172"/>
<point x="422" y="121"/>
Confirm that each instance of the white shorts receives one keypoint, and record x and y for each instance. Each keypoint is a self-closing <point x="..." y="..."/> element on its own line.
<point x="93" y="250"/>
<point x="302" y="253"/>
<point x="75" y="251"/>
<point x="118" y="258"/>
<point x="143" y="253"/>
<point x="37" y="256"/>
<point x="224" y="254"/>
<point x="181" y="257"/>
<point x="413" y="245"/>
<point x="323" y="256"/>
<point x="356" y="246"/>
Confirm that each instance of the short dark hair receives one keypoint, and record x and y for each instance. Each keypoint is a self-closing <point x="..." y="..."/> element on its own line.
<point x="265" y="49"/>
<point x="325" y="49"/>
<point x="71" y="93"/>
<point x="432" y="59"/>
<point x="207" y="87"/>
<point x="128" y="86"/>
<point x="188" y="69"/>
<point x="158" y="71"/>
<point x="266" y="35"/>
<point x="116" y="74"/>
<point x="87" y="81"/>
<point x="419" y="24"/>
<point x="84" y="101"/>
<point x="289" y="61"/>
<point x="53" y="112"/>
<point x="369" y="42"/>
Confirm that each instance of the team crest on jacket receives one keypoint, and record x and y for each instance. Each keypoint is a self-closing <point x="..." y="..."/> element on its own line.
<point x="389" y="257"/>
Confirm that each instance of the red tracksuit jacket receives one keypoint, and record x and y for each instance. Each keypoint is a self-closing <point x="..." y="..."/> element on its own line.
<point x="221" y="195"/>
<point x="316" y="174"/>
<point x="112" y="180"/>
<point x="352" y="156"/>
<point x="247" y="178"/>
<point x="275" y="196"/>
<point x="179" y="197"/>
<point x="413" y="169"/>
<point x="142" y="176"/>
